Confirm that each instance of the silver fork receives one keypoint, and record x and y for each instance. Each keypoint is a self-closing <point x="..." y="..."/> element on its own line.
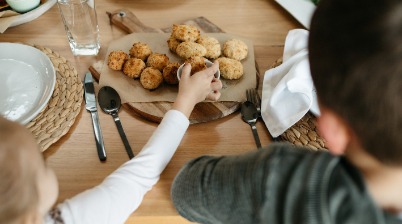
<point x="254" y="97"/>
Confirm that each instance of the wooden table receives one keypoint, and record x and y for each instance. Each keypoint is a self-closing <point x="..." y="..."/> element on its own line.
<point x="74" y="157"/>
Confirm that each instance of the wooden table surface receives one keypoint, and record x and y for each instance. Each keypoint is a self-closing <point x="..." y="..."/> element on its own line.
<point x="74" y="156"/>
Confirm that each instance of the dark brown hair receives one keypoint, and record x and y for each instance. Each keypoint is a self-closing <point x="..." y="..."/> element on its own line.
<point x="355" y="53"/>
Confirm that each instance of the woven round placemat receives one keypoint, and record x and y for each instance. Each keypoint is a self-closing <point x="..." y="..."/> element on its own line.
<point x="63" y="107"/>
<point x="304" y="132"/>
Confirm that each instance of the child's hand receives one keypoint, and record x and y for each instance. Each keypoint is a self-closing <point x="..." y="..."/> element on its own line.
<point x="196" y="88"/>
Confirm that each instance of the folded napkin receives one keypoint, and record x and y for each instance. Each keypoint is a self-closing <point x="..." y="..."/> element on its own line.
<point x="288" y="91"/>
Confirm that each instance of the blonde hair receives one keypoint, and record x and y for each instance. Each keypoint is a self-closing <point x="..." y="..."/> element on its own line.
<point x="18" y="176"/>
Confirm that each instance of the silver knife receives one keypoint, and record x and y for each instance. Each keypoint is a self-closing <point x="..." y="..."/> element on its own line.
<point x="90" y="105"/>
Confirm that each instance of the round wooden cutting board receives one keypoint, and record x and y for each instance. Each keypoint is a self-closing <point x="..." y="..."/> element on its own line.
<point x="203" y="112"/>
<point x="154" y="111"/>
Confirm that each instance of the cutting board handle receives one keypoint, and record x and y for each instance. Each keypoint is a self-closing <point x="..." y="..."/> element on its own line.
<point x="128" y="22"/>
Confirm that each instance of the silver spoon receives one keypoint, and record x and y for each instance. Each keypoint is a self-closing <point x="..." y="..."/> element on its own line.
<point x="249" y="115"/>
<point x="109" y="101"/>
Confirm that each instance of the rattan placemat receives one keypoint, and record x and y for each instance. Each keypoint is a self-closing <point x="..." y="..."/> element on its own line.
<point x="64" y="105"/>
<point x="304" y="132"/>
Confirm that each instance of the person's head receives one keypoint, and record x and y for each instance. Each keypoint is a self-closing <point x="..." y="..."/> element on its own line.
<point x="355" y="53"/>
<point x="28" y="188"/>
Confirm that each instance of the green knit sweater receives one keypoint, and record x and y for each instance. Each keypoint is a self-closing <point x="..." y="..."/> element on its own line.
<point x="279" y="184"/>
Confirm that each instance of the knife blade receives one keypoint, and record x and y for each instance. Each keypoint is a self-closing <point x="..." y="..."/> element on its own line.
<point x="90" y="105"/>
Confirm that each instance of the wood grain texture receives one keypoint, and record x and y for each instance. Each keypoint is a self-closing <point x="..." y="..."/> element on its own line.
<point x="74" y="159"/>
<point x="154" y="111"/>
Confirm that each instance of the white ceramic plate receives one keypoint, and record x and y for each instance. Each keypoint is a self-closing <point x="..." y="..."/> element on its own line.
<point x="302" y="10"/>
<point x="33" y="14"/>
<point x="27" y="79"/>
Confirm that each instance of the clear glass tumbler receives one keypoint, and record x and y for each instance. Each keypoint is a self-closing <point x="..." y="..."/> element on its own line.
<point x="81" y="25"/>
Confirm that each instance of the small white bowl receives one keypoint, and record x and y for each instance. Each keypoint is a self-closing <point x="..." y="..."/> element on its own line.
<point x="22" y="6"/>
<point x="209" y="64"/>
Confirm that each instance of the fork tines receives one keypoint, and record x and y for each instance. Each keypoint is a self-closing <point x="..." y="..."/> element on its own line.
<point x="254" y="97"/>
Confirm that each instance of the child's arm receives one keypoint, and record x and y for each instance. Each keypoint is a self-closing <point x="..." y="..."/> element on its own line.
<point x="122" y="191"/>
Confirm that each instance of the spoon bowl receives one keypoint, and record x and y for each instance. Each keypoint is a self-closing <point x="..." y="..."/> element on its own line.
<point x="109" y="100"/>
<point x="249" y="112"/>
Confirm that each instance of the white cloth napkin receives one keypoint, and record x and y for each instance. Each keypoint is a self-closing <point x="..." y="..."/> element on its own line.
<point x="288" y="91"/>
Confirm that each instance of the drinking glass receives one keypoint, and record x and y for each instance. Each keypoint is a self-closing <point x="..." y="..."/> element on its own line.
<point x="81" y="25"/>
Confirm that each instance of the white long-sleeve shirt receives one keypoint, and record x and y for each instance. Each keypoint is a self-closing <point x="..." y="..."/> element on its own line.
<point x="122" y="191"/>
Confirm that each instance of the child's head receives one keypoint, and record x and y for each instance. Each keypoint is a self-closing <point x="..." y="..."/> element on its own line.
<point x="27" y="187"/>
<point x="355" y="51"/>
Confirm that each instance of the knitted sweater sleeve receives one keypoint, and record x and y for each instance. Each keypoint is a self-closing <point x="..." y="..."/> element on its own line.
<point x="226" y="189"/>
